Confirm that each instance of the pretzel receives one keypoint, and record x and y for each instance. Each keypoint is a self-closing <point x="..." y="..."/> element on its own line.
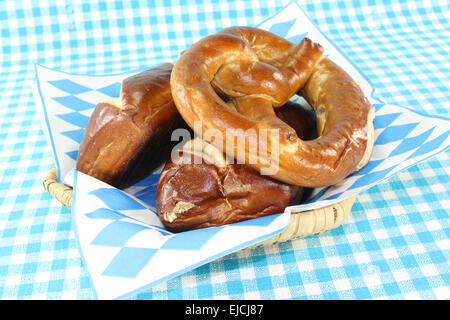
<point x="260" y="71"/>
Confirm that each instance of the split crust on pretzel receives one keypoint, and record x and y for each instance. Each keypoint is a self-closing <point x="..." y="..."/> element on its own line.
<point x="260" y="71"/>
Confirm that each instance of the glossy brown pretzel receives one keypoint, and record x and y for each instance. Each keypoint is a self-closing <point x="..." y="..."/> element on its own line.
<point x="261" y="71"/>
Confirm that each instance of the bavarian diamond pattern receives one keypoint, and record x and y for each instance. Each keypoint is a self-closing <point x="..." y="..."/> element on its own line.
<point x="123" y="238"/>
<point x="74" y="101"/>
<point x="68" y="102"/>
<point x="69" y="87"/>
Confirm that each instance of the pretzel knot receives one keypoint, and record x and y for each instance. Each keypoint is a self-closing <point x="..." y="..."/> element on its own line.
<point x="259" y="71"/>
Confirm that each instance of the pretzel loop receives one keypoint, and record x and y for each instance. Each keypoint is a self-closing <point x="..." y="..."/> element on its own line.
<point x="260" y="71"/>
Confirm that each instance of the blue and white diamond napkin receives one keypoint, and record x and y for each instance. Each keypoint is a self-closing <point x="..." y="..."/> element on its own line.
<point x="125" y="247"/>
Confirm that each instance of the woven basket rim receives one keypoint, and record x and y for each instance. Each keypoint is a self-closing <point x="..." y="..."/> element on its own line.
<point x="301" y="224"/>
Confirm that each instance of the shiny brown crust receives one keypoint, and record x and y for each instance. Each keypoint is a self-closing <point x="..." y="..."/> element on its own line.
<point x="194" y="192"/>
<point x="126" y="138"/>
<point x="260" y="71"/>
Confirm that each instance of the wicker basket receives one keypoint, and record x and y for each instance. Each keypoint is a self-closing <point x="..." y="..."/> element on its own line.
<point x="302" y="224"/>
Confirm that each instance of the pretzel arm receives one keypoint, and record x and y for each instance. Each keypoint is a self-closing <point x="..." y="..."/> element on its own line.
<point x="277" y="84"/>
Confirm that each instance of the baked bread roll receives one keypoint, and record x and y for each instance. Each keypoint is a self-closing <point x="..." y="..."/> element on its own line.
<point x="199" y="188"/>
<point x="127" y="138"/>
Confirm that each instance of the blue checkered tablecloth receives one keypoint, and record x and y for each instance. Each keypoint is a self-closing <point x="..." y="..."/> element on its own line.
<point x="394" y="245"/>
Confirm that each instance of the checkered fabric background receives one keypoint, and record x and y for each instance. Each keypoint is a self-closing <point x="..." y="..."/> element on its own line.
<point x="394" y="245"/>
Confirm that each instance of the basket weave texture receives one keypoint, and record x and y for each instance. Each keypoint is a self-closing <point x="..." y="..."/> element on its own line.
<point x="301" y="224"/>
